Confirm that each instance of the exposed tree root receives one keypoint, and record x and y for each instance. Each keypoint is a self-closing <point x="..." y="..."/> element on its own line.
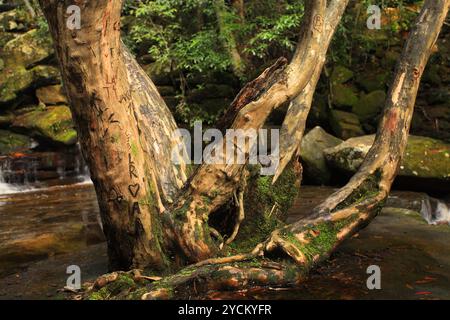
<point x="239" y="200"/>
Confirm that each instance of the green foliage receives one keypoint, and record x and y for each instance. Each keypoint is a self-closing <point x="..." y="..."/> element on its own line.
<point x="185" y="33"/>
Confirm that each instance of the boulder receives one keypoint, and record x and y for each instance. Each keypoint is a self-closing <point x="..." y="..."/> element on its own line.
<point x="52" y="124"/>
<point x="14" y="21"/>
<point x="51" y="95"/>
<point x="12" y="142"/>
<point x="343" y="96"/>
<point x="28" y="49"/>
<point x="372" y="81"/>
<point x="341" y="75"/>
<point x="20" y="79"/>
<point x="6" y="119"/>
<point x="311" y="153"/>
<point x="369" y="105"/>
<point x="345" y="124"/>
<point x="424" y="157"/>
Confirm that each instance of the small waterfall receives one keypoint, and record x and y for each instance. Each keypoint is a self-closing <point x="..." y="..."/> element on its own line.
<point x="5" y="187"/>
<point x="435" y="211"/>
<point x="26" y="172"/>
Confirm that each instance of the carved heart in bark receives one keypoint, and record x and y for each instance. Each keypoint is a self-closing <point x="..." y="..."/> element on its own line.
<point x="134" y="189"/>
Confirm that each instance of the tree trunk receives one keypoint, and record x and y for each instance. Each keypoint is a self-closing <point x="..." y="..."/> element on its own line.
<point x="125" y="131"/>
<point x="228" y="39"/>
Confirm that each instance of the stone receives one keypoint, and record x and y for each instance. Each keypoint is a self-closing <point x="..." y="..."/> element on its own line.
<point x="424" y="157"/>
<point x="341" y="75"/>
<point x="372" y="81"/>
<point x="51" y="95"/>
<point x="343" y="96"/>
<point x="52" y="124"/>
<point x="369" y="105"/>
<point x="28" y="49"/>
<point x="14" y="21"/>
<point x="12" y="142"/>
<point x="311" y="153"/>
<point x="345" y="124"/>
<point x="19" y="79"/>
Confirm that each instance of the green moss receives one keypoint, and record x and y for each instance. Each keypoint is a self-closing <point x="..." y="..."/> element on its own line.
<point x="320" y="238"/>
<point x="12" y="142"/>
<point x="102" y="294"/>
<point x="282" y="193"/>
<point x="369" y="188"/>
<point x="53" y="123"/>
<point x="134" y="149"/>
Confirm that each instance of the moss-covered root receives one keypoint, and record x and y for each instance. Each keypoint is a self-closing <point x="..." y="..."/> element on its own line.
<point x="195" y="282"/>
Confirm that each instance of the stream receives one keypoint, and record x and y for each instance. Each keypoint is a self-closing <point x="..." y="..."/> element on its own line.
<point x="48" y="224"/>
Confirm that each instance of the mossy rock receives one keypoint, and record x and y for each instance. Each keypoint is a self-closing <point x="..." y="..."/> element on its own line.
<point x="341" y="75"/>
<point x="372" y="81"/>
<point x="345" y="124"/>
<point x="431" y="75"/>
<point x="28" y="49"/>
<point x="51" y="95"/>
<point x="15" y="81"/>
<point x="311" y="153"/>
<point x="6" y="119"/>
<point x="52" y="124"/>
<point x="14" y="20"/>
<point x="343" y="96"/>
<point x="12" y="142"/>
<point x="424" y="157"/>
<point x="5" y="37"/>
<point x="20" y="79"/>
<point x="370" y="105"/>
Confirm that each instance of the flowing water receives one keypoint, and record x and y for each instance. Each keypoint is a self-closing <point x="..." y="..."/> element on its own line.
<point x="49" y="220"/>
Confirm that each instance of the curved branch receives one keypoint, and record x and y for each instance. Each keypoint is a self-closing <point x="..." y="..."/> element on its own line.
<point x="213" y="184"/>
<point x="294" y="123"/>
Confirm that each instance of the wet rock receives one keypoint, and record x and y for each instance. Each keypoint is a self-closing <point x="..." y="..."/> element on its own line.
<point x="53" y="124"/>
<point x="28" y="49"/>
<point x="345" y="124"/>
<point x="343" y="96"/>
<point x="12" y="142"/>
<point x="311" y="152"/>
<point x="51" y="95"/>
<point x="341" y="75"/>
<point x="369" y="105"/>
<point x="425" y="158"/>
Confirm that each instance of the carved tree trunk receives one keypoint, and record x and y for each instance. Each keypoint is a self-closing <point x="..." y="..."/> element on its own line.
<point x="125" y="131"/>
